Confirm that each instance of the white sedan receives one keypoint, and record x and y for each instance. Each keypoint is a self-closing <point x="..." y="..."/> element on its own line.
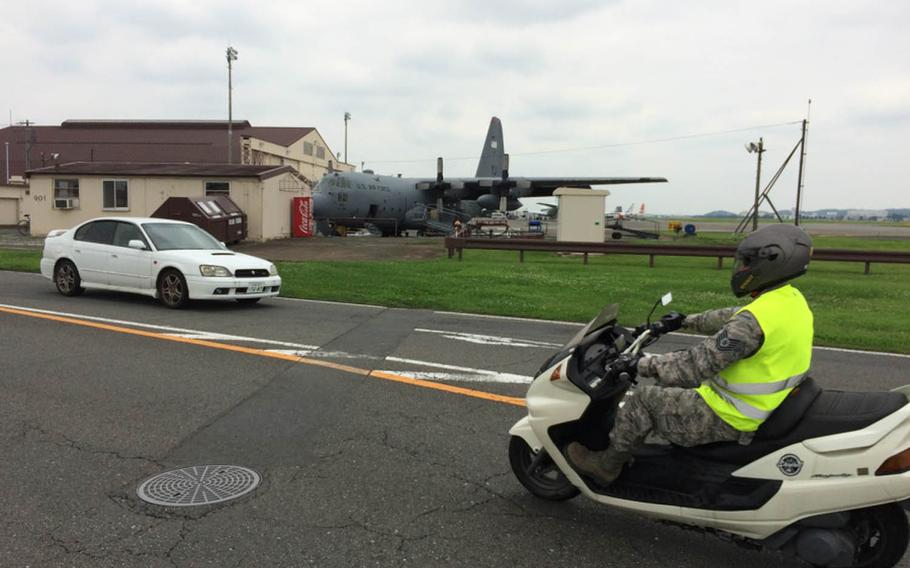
<point x="169" y="260"/>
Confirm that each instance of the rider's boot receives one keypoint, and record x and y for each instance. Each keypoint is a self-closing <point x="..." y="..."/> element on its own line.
<point x="604" y="466"/>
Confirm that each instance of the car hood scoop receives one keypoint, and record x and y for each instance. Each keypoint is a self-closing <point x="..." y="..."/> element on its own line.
<point x="222" y="254"/>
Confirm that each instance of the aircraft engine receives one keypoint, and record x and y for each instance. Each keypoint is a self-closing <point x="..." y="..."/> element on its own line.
<point x="491" y="201"/>
<point x="488" y="201"/>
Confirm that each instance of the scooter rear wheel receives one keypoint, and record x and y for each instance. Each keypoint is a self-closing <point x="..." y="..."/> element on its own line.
<point x="544" y="480"/>
<point x="884" y="534"/>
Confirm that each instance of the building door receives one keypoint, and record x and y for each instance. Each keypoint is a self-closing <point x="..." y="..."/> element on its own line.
<point x="9" y="211"/>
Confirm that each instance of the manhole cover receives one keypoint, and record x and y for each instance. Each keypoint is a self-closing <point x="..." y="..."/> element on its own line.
<point x="198" y="485"/>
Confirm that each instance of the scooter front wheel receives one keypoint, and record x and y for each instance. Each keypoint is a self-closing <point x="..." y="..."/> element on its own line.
<point x="538" y="473"/>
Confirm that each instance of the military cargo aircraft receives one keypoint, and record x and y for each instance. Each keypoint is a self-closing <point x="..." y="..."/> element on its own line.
<point x="393" y="204"/>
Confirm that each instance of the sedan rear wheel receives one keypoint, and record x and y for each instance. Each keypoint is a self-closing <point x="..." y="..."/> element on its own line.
<point x="66" y="277"/>
<point x="172" y="290"/>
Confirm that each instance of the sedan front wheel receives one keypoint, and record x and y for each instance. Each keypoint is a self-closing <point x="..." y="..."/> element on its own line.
<point x="172" y="290"/>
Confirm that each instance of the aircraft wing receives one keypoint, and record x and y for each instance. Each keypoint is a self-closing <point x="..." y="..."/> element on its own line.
<point x="532" y="186"/>
<point x="471" y="188"/>
<point x="547" y="185"/>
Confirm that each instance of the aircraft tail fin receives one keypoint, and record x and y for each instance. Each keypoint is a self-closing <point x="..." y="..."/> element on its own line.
<point x="490" y="164"/>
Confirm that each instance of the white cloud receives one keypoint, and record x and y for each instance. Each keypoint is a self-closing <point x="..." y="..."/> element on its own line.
<point x="422" y="79"/>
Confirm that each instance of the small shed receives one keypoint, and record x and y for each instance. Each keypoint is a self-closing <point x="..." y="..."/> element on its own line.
<point x="217" y="214"/>
<point x="581" y="214"/>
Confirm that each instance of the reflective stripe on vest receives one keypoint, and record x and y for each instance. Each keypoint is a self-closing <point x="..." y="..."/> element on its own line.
<point x="759" y="388"/>
<point x="747" y="392"/>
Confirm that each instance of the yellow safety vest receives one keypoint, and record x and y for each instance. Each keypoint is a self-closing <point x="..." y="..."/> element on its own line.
<point x="745" y="393"/>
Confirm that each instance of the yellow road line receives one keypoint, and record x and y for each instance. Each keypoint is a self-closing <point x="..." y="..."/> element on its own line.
<point x="272" y="355"/>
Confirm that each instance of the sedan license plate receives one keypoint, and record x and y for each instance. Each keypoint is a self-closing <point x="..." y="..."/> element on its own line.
<point x="254" y="288"/>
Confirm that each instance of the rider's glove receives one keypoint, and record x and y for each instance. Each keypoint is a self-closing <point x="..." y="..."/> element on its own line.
<point x="668" y="323"/>
<point x="623" y="365"/>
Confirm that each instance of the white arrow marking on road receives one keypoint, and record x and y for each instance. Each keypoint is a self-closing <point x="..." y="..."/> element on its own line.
<point x="489" y="339"/>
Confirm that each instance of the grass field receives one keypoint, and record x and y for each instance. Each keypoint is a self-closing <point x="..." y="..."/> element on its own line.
<point x="818" y="241"/>
<point x="851" y="309"/>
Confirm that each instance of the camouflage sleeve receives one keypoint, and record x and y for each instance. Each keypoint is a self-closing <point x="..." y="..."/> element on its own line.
<point x="709" y="322"/>
<point x="741" y="337"/>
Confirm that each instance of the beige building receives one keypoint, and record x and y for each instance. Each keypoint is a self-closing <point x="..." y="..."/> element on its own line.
<point x="63" y="196"/>
<point x="581" y="214"/>
<point x="309" y="154"/>
<point x="155" y="142"/>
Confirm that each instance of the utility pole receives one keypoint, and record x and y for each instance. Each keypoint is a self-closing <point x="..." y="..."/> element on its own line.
<point x="802" y="159"/>
<point x="799" y="177"/>
<point x="30" y="133"/>
<point x="231" y="55"/>
<point x="759" y="148"/>
<point x="347" y="117"/>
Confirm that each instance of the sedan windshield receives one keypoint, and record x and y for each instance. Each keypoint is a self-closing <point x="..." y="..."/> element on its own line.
<point x="170" y="236"/>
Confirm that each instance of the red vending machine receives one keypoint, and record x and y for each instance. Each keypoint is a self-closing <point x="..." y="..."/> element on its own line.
<point x="302" y="216"/>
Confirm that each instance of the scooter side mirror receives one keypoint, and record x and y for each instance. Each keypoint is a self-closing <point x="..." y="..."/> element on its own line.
<point x="666" y="299"/>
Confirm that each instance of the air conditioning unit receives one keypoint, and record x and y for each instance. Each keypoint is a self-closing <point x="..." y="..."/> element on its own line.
<point x="67" y="203"/>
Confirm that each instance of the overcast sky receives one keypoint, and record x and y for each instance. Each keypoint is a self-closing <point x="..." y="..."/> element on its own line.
<point x="582" y="87"/>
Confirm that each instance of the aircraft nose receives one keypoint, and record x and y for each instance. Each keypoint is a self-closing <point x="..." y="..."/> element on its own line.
<point x="320" y="200"/>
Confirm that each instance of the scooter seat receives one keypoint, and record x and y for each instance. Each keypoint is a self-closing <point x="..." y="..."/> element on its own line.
<point x="830" y="412"/>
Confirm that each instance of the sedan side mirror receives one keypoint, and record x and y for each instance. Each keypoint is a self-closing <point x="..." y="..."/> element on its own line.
<point x="137" y="244"/>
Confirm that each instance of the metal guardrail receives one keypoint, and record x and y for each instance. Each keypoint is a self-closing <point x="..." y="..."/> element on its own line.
<point x="651" y="250"/>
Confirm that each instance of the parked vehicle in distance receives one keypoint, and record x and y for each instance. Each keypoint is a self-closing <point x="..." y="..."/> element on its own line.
<point x="169" y="260"/>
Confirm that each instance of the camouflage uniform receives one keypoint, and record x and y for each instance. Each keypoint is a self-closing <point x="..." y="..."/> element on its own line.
<point x="674" y="411"/>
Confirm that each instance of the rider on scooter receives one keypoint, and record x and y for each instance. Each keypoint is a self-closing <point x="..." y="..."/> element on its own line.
<point x="723" y="388"/>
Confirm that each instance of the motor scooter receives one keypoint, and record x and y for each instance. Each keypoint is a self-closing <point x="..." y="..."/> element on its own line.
<point x="826" y="477"/>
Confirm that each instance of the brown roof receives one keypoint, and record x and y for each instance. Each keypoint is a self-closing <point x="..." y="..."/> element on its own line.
<point x="161" y="169"/>
<point x="154" y="141"/>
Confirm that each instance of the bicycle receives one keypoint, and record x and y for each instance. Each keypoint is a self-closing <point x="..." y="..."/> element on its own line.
<point x="25" y="226"/>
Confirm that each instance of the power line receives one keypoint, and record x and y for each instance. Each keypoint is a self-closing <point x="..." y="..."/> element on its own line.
<point x="602" y="146"/>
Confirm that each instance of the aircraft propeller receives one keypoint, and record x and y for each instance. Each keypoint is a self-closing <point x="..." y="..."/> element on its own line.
<point x="504" y="192"/>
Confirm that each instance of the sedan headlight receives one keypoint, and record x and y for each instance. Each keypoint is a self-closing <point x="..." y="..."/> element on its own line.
<point x="273" y="270"/>
<point x="210" y="270"/>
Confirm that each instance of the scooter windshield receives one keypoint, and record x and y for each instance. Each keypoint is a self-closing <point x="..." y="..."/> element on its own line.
<point x="607" y="315"/>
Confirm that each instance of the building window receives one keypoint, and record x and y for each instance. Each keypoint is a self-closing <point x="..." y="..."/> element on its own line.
<point x="66" y="193"/>
<point x="116" y="194"/>
<point x="320" y="152"/>
<point x="217" y="188"/>
<point x="308" y="148"/>
<point x="66" y="188"/>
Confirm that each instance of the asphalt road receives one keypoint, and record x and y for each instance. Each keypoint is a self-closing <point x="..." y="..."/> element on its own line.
<point x="102" y="391"/>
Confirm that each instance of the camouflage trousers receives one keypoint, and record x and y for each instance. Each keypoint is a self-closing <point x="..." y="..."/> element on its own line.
<point x="670" y="414"/>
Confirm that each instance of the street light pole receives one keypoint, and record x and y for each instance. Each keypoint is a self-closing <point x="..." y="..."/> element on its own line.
<point x="231" y="55"/>
<point x="347" y="117"/>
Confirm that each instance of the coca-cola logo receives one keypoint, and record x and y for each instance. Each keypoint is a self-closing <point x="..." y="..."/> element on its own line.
<point x="305" y="218"/>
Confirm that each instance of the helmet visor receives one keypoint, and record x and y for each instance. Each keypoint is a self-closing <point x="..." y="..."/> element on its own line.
<point x="741" y="263"/>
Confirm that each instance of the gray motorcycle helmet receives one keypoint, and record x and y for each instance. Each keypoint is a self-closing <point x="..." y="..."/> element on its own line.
<point x="770" y="256"/>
